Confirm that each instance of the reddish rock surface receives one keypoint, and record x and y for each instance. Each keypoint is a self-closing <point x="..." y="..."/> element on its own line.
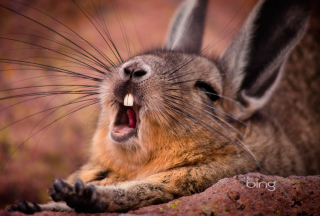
<point x="294" y="195"/>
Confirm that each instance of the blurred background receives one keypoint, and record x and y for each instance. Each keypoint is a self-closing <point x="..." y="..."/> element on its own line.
<point x="44" y="135"/>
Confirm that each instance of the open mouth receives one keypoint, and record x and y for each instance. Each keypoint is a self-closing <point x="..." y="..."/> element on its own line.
<point x="126" y="122"/>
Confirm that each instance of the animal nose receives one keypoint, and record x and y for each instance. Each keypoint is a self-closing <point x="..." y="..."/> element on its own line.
<point x="134" y="72"/>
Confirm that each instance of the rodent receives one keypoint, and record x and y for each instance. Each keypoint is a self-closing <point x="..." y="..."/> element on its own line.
<point x="174" y="122"/>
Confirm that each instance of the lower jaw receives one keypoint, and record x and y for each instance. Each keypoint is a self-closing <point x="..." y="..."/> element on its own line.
<point x="123" y="137"/>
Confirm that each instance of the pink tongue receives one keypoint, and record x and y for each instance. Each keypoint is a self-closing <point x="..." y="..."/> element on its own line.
<point x="132" y="118"/>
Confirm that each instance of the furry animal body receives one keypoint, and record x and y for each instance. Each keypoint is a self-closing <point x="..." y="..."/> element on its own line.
<point x="173" y="122"/>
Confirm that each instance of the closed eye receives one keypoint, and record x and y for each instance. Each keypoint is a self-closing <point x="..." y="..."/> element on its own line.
<point x="208" y="90"/>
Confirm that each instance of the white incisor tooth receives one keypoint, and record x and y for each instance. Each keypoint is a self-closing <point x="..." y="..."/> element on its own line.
<point x="128" y="100"/>
<point x="125" y="100"/>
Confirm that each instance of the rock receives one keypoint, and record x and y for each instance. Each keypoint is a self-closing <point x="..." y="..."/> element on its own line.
<point x="249" y="194"/>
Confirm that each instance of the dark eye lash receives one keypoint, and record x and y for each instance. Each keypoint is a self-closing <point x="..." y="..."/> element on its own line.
<point x="208" y="90"/>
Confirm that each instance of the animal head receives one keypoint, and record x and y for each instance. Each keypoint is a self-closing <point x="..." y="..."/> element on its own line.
<point x="177" y="95"/>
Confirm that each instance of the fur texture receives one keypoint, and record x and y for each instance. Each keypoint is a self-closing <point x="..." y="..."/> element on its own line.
<point x="199" y="120"/>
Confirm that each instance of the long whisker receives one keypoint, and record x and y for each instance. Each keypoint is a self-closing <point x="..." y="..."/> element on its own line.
<point x="46" y="110"/>
<point x="68" y="50"/>
<point x="185" y="73"/>
<point x="209" y="113"/>
<point x="191" y="80"/>
<point x="224" y="36"/>
<point x="215" y="116"/>
<point x="55" y="51"/>
<point x="220" y="96"/>
<point x="49" y="67"/>
<point x="48" y="125"/>
<point x="108" y="35"/>
<point x="40" y="86"/>
<point x="122" y="28"/>
<point x="55" y="32"/>
<point x="185" y="127"/>
<point x="220" y="133"/>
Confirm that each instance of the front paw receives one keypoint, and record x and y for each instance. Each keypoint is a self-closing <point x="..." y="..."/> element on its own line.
<point x="25" y="207"/>
<point x="81" y="197"/>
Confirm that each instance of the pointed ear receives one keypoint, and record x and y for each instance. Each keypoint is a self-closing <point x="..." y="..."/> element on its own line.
<point x="187" y="27"/>
<point x="254" y="60"/>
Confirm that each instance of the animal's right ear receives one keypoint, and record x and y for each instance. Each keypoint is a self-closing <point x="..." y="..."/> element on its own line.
<point x="186" y="30"/>
<point x="254" y="61"/>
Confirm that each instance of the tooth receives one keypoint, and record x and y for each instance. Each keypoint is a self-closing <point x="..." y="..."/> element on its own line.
<point x="125" y="100"/>
<point x="128" y="100"/>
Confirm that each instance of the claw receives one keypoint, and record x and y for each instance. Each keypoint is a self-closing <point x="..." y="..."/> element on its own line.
<point x="61" y="186"/>
<point x="92" y="193"/>
<point x="79" y="196"/>
<point x="89" y="191"/>
<point x="60" y="190"/>
<point x="57" y="185"/>
<point x="79" y="187"/>
<point x="25" y="207"/>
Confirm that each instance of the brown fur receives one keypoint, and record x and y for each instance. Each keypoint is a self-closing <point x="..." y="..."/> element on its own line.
<point x="173" y="157"/>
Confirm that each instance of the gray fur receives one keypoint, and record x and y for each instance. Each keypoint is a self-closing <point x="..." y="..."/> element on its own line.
<point x="255" y="124"/>
<point x="236" y="60"/>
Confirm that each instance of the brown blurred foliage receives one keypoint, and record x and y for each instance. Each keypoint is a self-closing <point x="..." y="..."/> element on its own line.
<point x="32" y="150"/>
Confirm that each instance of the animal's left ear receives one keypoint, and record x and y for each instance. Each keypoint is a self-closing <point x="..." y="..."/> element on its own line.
<point x="254" y="60"/>
<point x="187" y="27"/>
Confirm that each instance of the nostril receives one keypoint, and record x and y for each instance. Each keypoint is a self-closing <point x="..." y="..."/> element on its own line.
<point x="127" y="71"/>
<point x="133" y="72"/>
<point x="139" y="73"/>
